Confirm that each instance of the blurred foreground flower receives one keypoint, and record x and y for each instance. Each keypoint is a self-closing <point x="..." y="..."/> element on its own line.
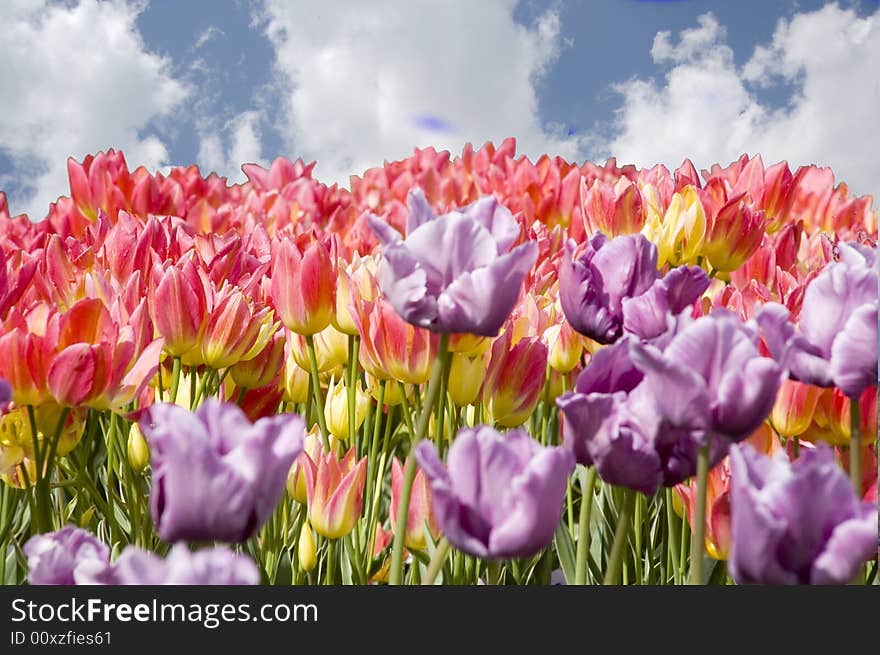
<point x="217" y="476"/>
<point x="501" y="495"/>
<point x="797" y="522"/>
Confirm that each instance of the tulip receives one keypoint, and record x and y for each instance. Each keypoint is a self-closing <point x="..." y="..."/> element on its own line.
<point x="336" y="409"/>
<point x="356" y="280"/>
<point x="599" y="428"/>
<point x="335" y="491"/>
<point x="99" y="358"/>
<point x="137" y="449"/>
<point x="237" y="330"/>
<point x="734" y="233"/>
<point x="421" y="508"/>
<point x="500" y="496"/>
<point x="565" y="347"/>
<point x="794" y="408"/>
<point x="306" y="550"/>
<point x="391" y="347"/>
<point x="711" y="377"/>
<point x="67" y="557"/>
<point x="612" y="209"/>
<point x="331" y="349"/>
<point x="303" y="285"/>
<point x="592" y="287"/>
<point x="836" y="340"/>
<point x="295" y="381"/>
<point x="683" y="229"/>
<point x="515" y="379"/>
<point x="15" y="428"/>
<point x="656" y="312"/>
<point x="180" y="309"/>
<point x="466" y="376"/>
<point x="297" y="487"/>
<point x="831" y="418"/>
<point x="264" y="368"/>
<point x="23" y="363"/>
<point x="209" y="566"/>
<point x="217" y="476"/>
<point x="455" y="272"/>
<point x="796" y="522"/>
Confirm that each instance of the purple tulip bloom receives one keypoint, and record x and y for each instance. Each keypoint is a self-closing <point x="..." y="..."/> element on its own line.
<point x="501" y="495"/>
<point x="217" y="476"/>
<point x="615" y="286"/>
<point x="835" y="343"/>
<point x="455" y="272"/>
<point x="612" y="423"/>
<point x="5" y="392"/>
<point x="68" y="556"/>
<point x="796" y="523"/>
<point x="655" y="312"/>
<point x="711" y="377"/>
<point x="211" y="566"/>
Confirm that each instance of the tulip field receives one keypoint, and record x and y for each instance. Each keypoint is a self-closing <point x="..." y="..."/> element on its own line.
<point x="459" y="370"/>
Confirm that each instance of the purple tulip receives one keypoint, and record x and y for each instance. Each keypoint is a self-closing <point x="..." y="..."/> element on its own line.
<point x="5" y="392"/>
<point x="68" y="556"/>
<point x="501" y="495"/>
<point x="600" y="428"/>
<point x="211" y="566"/>
<point x="835" y="343"/>
<point x="455" y="272"/>
<point x="711" y="377"/>
<point x="612" y="423"/>
<point x="217" y="476"/>
<point x="655" y="312"/>
<point x="615" y="286"/>
<point x="796" y="523"/>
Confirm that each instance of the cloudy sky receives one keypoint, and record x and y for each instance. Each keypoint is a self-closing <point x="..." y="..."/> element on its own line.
<point x="350" y="84"/>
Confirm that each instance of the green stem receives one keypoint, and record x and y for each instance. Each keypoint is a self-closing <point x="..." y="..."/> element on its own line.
<point x="175" y="379"/>
<point x="698" y="528"/>
<point x="493" y="572"/>
<point x="621" y="534"/>
<point x="350" y="387"/>
<point x="407" y="410"/>
<point x="374" y="446"/>
<point x="441" y="364"/>
<point x="316" y="392"/>
<point x="673" y="545"/>
<point x="855" y="446"/>
<point x="329" y="572"/>
<point x="380" y="476"/>
<point x="44" y="495"/>
<point x="436" y="563"/>
<point x="637" y="531"/>
<point x="588" y="483"/>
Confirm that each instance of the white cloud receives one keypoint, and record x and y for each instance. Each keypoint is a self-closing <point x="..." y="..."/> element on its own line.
<point x="208" y="34"/>
<point x="77" y="79"/>
<point x="366" y="82"/>
<point x="708" y="109"/>
<point x="245" y="146"/>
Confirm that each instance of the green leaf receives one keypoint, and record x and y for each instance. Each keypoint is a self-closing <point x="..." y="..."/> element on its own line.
<point x="284" y="572"/>
<point x="565" y="551"/>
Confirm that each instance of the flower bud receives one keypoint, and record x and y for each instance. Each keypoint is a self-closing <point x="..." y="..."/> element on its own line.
<point x="137" y="449"/>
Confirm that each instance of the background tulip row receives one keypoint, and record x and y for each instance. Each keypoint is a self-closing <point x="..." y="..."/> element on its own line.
<point x="462" y="370"/>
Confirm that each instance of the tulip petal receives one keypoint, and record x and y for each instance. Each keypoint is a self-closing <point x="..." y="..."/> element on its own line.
<point x="479" y="302"/>
<point x="854" y="352"/>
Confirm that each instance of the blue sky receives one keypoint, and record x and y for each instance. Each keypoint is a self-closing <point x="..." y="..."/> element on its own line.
<point x="351" y="83"/>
